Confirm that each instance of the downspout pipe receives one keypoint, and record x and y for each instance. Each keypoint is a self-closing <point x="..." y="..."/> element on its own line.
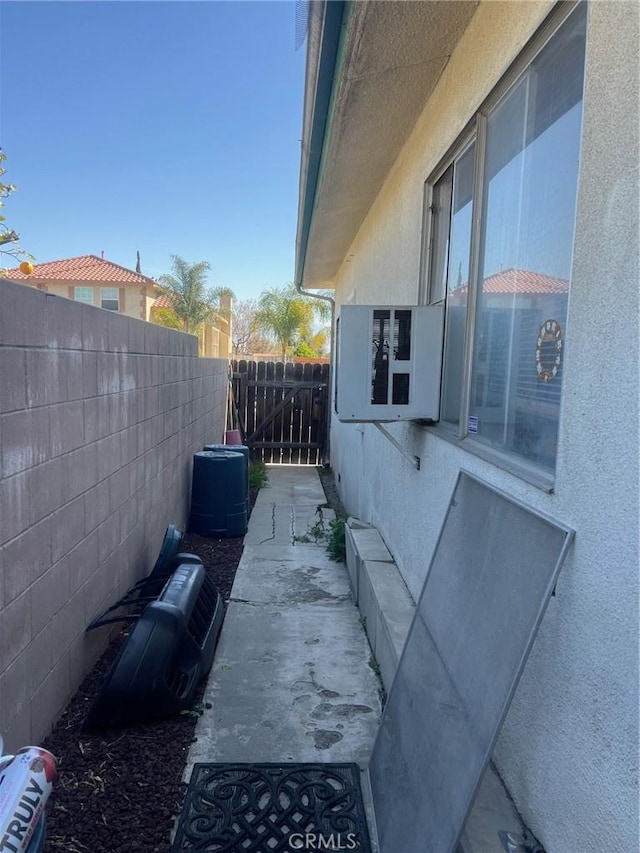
<point x="332" y="353"/>
<point x="329" y="17"/>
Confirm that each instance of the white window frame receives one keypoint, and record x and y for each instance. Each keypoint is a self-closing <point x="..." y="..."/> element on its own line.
<point x="88" y="291"/>
<point x="104" y="298"/>
<point x="476" y="130"/>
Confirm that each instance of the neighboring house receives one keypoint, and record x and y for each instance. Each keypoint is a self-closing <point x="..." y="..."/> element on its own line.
<point x="484" y="157"/>
<point x="94" y="281"/>
<point x="214" y="336"/>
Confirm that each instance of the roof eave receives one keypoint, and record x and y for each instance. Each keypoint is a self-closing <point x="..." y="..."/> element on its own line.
<point x="362" y="101"/>
<point x="324" y="31"/>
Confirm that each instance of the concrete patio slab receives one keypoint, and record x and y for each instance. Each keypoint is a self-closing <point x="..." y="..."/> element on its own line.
<point x="294" y="484"/>
<point x="291" y="523"/>
<point x="266" y="529"/>
<point x="301" y="552"/>
<point x="289" y="685"/>
<point x="289" y="583"/>
<point x="292" y="678"/>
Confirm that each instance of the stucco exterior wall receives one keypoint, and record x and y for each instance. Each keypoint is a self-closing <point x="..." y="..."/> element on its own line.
<point x="135" y="303"/>
<point x="215" y="340"/>
<point x="147" y="300"/>
<point x="568" y="750"/>
<point x="99" y="418"/>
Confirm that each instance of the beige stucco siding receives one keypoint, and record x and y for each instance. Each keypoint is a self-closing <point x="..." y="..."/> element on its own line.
<point x="148" y="303"/>
<point x="134" y="303"/>
<point x="568" y="750"/>
<point x="386" y="250"/>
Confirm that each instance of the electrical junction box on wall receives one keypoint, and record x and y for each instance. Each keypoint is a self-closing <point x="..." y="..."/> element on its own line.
<point x="388" y="362"/>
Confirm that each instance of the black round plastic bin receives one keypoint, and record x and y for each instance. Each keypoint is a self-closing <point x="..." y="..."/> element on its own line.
<point x="218" y="502"/>
<point x="235" y="448"/>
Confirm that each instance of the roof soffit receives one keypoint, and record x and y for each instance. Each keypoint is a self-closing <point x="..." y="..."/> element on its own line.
<point x="393" y="58"/>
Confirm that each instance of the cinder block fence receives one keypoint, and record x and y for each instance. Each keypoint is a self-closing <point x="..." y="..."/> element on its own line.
<point x="100" y="415"/>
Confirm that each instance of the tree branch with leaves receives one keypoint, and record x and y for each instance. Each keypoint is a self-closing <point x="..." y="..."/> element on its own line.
<point x="8" y="238"/>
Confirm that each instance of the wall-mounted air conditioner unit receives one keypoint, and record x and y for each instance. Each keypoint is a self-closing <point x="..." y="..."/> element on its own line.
<point x="388" y="362"/>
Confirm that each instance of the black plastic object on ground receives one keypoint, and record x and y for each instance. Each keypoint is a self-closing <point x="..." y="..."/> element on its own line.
<point x="218" y="502"/>
<point x="150" y="587"/>
<point x="168" y="651"/>
<point x="235" y="448"/>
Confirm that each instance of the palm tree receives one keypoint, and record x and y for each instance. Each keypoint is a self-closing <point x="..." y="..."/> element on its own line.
<point x="283" y="313"/>
<point x="191" y="300"/>
<point x="316" y="339"/>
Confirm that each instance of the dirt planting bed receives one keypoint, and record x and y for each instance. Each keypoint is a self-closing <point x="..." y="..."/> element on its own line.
<point x="119" y="789"/>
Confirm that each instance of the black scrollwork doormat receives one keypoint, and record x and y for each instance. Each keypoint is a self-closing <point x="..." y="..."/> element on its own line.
<point x="272" y="808"/>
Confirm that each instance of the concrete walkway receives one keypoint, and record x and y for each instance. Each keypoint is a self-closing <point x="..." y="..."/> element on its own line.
<point x="291" y="680"/>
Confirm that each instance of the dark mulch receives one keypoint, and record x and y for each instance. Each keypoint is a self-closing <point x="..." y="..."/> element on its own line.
<point x="331" y="490"/>
<point x="119" y="789"/>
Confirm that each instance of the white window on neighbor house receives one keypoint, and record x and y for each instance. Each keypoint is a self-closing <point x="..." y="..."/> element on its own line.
<point x="83" y="294"/>
<point x="110" y="298"/>
<point x="501" y="219"/>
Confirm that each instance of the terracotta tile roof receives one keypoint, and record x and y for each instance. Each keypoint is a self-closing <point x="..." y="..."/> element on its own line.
<point x="162" y="301"/>
<point x="83" y="268"/>
<point x="524" y="281"/>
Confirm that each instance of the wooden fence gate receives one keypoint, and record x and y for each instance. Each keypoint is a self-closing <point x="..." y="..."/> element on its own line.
<point x="281" y="409"/>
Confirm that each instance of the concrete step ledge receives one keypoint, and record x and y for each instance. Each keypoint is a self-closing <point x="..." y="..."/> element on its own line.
<point x="384" y="602"/>
<point x="387" y="608"/>
<point x="362" y="543"/>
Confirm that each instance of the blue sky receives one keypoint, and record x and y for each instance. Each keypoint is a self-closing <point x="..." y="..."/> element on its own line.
<point x="168" y="127"/>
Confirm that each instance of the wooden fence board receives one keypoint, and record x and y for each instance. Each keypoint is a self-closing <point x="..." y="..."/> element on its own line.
<point x="287" y="430"/>
<point x="270" y="404"/>
<point x="261" y="407"/>
<point x="296" y="418"/>
<point x="282" y="409"/>
<point x="278" y="422"/>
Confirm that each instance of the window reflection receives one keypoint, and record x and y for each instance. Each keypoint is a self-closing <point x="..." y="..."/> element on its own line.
<point x="457" y="286"/>
<point x="530" y="184"/>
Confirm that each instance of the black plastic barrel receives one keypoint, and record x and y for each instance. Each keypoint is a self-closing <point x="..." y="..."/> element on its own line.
<point x="218" y="494"/>
<point x="235" y="448"/>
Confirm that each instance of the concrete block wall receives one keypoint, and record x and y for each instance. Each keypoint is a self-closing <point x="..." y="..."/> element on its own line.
<point x="100" y="415"/>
